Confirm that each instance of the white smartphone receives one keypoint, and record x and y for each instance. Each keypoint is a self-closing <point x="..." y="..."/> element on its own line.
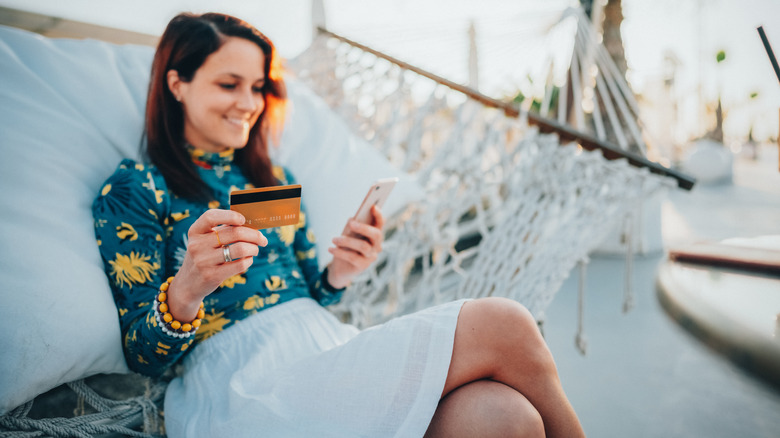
<point x="377" y="195"/>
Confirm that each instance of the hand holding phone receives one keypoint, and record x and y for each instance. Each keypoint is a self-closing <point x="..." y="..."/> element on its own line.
<point x="377" y="195"/>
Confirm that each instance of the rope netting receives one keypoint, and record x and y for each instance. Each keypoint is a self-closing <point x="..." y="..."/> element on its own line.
<point x="508" y="210"/>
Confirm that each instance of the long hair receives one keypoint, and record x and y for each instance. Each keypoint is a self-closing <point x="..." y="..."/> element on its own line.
<point x="184" y="46"/>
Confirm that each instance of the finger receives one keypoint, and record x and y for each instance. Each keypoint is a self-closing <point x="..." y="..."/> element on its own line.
<point x="213" y="217"/>
<point x="369" y="232"/>
<point x="239" y="251"/>
<point x="227" y="270"/>
<point x="354" y="244"/>
<point x="350" y="257"/>
<point x="228" y="235"/>
<point x="379" y="218"/>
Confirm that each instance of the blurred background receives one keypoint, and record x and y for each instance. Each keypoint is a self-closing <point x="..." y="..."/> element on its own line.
<point x="709" y="103"/>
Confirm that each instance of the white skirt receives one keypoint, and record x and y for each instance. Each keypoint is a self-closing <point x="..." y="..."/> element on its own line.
<point x="294" y="370"/>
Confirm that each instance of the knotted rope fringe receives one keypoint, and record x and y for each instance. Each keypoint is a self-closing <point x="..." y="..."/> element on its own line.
<point x="113" y="416"/>
<point x="580" y="341"/>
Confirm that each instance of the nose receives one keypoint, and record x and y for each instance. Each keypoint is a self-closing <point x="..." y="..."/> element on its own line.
<point x="250" y="101"/>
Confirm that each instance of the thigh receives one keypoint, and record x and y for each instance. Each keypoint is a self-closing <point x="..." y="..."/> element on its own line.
<point x="485" y="408"/>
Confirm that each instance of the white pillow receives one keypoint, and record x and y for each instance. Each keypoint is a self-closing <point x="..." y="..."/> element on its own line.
<point x="70" y="110"/>
<point x="334" y="167"/>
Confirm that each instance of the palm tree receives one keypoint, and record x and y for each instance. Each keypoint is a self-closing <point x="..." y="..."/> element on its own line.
<point x="612" y="20"/>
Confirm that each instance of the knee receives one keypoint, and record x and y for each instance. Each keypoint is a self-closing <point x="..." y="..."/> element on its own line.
<point x="515" y="416"/>
<point x="487" y="409"/>
<point x="511" y="331"/>
<point x="502" y="316"/>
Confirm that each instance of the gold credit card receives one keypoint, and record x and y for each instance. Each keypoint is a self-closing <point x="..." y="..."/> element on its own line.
<point x="268" y="207"/>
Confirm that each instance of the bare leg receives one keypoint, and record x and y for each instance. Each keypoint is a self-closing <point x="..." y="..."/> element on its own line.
<point x="485" y="409"/>
<point x="498" y="339"/>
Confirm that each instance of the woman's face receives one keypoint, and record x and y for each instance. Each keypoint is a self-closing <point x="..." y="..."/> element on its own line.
<point x="224" y="99"/>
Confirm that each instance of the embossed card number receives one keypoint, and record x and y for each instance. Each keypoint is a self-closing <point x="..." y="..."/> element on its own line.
<point x="268" y="207"/>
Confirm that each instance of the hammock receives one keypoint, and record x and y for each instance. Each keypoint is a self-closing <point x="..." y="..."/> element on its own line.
<point x="509" y="210"/>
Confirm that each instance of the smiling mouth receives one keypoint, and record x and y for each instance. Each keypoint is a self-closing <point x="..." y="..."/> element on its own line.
<point x="242" y="123"/>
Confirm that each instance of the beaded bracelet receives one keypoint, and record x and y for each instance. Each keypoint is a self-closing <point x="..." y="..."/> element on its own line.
<point x="169" y="325"/>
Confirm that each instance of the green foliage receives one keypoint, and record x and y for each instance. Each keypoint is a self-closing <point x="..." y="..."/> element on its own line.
<point x="536" y="104"/>
<point x="721" y="56"/>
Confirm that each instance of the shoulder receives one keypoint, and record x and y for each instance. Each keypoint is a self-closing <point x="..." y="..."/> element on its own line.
<point x="132" y="185"/>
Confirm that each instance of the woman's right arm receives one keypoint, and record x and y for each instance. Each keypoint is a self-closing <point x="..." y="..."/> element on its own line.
<point x="131" y="228"/>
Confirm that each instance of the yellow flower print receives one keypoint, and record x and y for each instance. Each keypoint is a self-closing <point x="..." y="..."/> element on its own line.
<point x="311" y="237"/>
<point x="132" y="269"/>
<point x="214" y="204"/>
<point x="296" y="274"/>
<point x="272" y="256"/>
<point x="162" y="349"/>
<point x="130" y="338"/>
<point x="106" y="189"/>
<point x="278" y="173"/>
<point x="212" y="324"/>
<point x="122" y="311"/>
<point x="153" y="213"/>
<point x="286" y="234"/>
<point x="232" y="281"/>
<point x="305" y="255"/>
<point x="254" y="302"/>
<point x="179" y="216"/>
<point x="158" y="194"/>
<point x="126" y="232"/>
<point x="248" y="186"/>
<point x="141" y="360"/>
<point x="275" y="283"/>
<point x="139" y="166"/>
<point x="301" y="221"/>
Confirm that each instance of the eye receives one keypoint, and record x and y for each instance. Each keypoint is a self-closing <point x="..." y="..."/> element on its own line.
<point x="257" y="89"/>
<point x="227" y="86"/>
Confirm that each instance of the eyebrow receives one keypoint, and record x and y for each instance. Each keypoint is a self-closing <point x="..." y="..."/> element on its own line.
<point x="239" y="77"/>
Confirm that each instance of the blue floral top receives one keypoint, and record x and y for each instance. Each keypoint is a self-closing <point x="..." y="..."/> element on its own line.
<point x="141" y="231"/>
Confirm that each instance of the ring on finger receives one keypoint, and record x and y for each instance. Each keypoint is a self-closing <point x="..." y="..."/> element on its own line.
<point x="226" y="254"/>
<point x="217" y="234"/>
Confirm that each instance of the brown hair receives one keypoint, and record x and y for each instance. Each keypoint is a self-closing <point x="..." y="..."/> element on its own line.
<point x="184" y="46"/>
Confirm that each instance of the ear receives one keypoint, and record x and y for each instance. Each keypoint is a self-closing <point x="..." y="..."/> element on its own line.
<point x="174" y="84"/>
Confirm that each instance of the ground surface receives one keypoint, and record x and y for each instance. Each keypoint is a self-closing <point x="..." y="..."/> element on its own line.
<point x="642" y="375"/>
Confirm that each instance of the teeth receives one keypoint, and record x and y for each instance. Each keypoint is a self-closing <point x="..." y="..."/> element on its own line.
<point x="239" y="122"/>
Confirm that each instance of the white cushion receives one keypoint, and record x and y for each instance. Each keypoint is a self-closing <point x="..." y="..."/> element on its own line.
<point x="69" y="112"/>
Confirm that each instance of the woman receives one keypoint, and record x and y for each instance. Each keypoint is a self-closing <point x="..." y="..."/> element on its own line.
<point x="241" y="310"/>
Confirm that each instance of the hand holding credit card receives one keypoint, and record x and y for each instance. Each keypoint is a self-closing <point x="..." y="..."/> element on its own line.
<point x="268" y="207"/>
